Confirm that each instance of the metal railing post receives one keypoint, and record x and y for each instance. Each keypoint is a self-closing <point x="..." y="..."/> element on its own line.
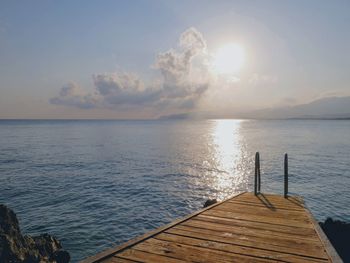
<point x="256" y="174"/>
<point x="285" y="175"/>
<point x="259" y="176"/>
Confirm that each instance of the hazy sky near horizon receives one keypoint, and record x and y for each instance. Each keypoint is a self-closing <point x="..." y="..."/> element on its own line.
<point x="144" y="59"/>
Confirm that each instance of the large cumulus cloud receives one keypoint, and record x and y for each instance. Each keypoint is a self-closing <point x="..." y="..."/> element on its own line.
<point x="182" y="82"/>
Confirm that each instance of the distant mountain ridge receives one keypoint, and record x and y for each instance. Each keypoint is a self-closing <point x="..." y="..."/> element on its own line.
<point x="181" y="116"/>
<point x="325" y="108"/>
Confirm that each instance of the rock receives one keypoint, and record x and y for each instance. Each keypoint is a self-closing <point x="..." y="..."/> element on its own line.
<point x="60" y="256"/>
<point x="16" y="248"/>
<point x="338" y="233"/>
<point x="209" y="202"/>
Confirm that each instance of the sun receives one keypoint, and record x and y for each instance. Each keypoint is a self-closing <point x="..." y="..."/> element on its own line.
<point x="228" y="59"/>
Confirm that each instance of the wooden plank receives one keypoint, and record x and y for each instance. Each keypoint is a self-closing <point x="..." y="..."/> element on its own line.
<point x="271" y="206"/>
<point x="118" y="260"/>
<point x="283" y="242"/>
<point x="245" y="243"/>
<point x="258" y="218"/>
<point x="277" y="229"/>
<point x="311" y="251"/>
<point x="295" y="215"/>
<point x="147" y="257"/>
<point x="250" y="231"/>
<point x="192" y="253"/>
<point x="292" y="200"/>
<point x="293" y="220"/>
<point x="243" y="250"/>
<point x="270" y="201"/>
<point x="273" y="200"/>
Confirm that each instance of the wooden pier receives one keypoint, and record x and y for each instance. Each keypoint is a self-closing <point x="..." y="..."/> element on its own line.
<point x="244" y="228"/>
<point x="249" y="227"/>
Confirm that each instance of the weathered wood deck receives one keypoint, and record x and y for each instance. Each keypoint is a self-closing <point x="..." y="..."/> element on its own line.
<point x="244" y="228"/>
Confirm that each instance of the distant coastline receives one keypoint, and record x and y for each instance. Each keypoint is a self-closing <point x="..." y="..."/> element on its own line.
<point x="330" y="108"/>
<point x="179" y="117"/>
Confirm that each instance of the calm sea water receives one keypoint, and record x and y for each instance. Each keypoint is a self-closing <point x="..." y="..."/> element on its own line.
<point x="94" y="184"/>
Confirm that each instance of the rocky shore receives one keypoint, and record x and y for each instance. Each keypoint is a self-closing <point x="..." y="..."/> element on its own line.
<point x="16" y="248"/>
<point x="338" y="233"/>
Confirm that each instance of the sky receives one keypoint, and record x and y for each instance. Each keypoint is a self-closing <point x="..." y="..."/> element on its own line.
<point x="146" y="59"/>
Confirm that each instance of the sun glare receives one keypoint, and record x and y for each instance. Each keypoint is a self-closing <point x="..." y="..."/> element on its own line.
<point x="228" y="59"/>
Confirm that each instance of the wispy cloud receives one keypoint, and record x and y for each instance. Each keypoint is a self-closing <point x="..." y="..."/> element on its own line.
<point x="179" y="86"/>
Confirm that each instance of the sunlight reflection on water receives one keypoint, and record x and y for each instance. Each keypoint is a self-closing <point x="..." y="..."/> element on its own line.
<point x="224" y="173"/>
<point x="226" y="148"/>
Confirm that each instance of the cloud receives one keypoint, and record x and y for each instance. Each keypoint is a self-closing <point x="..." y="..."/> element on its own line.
<point x="72" y="95"/>
<point x="179" y="86"/>
<point x="120" y="89"/>
<point x="331" y="93"/>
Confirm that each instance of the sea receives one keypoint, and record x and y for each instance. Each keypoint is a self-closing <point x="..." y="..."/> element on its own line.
<point x="97" y="183"/>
